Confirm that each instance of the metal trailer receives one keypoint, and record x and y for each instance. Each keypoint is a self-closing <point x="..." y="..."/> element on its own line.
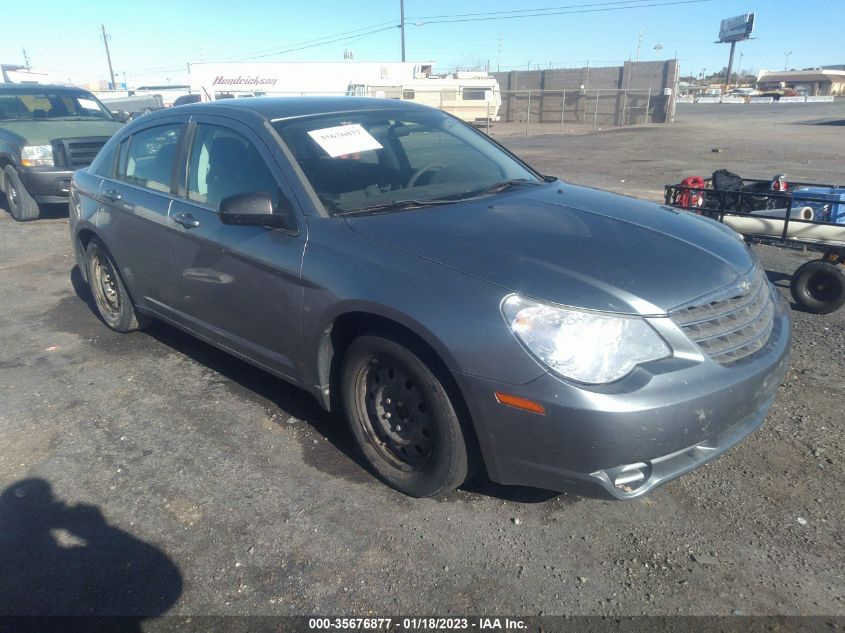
<point x="765" y="216"/>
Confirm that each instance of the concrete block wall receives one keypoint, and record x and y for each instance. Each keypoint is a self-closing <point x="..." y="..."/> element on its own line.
<point x="547" y="106"/>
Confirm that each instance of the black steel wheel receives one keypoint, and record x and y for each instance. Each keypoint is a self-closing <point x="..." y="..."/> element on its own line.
<point x="819" y="287"/>
<point x="22" y="206"/>
<point x="402" y="418"/>
<point x="113" y="302"/>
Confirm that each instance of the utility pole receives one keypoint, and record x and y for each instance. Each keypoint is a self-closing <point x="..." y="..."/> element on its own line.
<point x="639" y="43"/>
<point x="25" y="59"/>
<point x="658" y="47"/>
<point x="499" y="63"/>
<point x="402" y="25"/>
<point x="786" y="61"/>
<point x="108" y="56"/>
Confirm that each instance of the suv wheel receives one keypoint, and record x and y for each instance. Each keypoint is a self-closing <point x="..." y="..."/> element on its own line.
<point x="402" y="418"/>
<point x="22" y="206"/>
<point x="110" y="295"/>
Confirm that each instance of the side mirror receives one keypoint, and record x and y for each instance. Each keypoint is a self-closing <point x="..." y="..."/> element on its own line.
<point x="120" y="115"/>
<point x="255" y="208"/>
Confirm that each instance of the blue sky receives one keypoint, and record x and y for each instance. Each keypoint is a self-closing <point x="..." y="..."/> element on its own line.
<point x="152" y="40"/>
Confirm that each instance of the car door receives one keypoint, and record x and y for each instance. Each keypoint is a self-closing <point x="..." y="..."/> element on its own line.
<point x="239" y="285"/>
<point x="133" y="213"/>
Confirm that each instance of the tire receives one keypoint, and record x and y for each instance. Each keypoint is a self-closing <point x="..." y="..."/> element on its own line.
<point x="422" y="452"/>
<point x="818" y="287"/>
<point x="114" y="305"/>
<point x="22" y="206"/>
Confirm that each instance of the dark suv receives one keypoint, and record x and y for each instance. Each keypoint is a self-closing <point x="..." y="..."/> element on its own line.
<point x="46" y="132"/>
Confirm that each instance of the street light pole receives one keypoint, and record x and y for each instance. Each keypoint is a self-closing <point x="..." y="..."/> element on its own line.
<point x="786" y="61"/>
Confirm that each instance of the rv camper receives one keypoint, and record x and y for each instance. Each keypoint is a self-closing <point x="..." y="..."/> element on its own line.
<point x="470" y="96"/>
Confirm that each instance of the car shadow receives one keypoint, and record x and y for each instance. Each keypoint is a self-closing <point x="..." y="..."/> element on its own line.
<point x="67" y="560"/>
<point x="834" y="122"/>
<point x="302" y="405"/>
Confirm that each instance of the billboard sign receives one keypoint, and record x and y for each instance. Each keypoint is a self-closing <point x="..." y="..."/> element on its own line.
<point x="736" y="28"/>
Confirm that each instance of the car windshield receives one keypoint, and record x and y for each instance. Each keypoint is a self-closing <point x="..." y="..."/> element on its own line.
<point x="376" y="161"/>
<point x="32" y="105"/>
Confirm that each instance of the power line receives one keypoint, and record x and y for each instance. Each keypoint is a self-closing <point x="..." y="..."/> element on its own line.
<point x="536" y="15"/>
<point x="340" y="39"/>
<point x="316" y="41"/>
<point x="353" y="35"/>
<point x="566" y="6"/>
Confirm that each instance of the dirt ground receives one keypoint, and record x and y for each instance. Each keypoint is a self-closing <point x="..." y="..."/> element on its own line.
<point x="162" y="475"/>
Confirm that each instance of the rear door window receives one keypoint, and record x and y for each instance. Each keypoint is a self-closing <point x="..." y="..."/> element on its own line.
<point x="150" y="157"/>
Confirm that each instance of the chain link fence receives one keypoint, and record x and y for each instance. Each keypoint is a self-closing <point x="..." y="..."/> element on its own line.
<point x="529" y="112"/>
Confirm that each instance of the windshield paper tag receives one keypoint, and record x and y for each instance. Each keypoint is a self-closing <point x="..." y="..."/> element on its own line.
<point x="88" y="104"/>
<point x="344" y="139"/>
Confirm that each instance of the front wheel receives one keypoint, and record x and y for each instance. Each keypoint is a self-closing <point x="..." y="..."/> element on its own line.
<point x="113" y="302"/>
<point x="402" y="418"/>
<point x="819" y="287"/>
<point x="22" y="206"/>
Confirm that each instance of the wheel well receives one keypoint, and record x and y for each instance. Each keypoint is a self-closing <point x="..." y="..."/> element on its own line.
<point x="347" y="327"/>
<point x="85" y="236"/>
<point x="83" y="239"/>
<point x="3" y="162"/>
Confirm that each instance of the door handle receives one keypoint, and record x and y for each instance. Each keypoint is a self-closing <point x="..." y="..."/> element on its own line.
<point x="112" y="194"/>
<point x="186" y="220"/>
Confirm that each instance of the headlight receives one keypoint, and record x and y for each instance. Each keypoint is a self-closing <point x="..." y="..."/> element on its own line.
<point x="589" y="347"/>
<point x="37" y="156"/>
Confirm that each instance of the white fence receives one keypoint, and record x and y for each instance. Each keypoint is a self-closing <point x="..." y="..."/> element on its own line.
<point x="739" y="99"/>
<point x="827" y="99"/>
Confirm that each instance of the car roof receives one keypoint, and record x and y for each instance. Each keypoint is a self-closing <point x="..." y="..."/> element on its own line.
<point x="275" y="108"/>
<point x="27" y="88"/>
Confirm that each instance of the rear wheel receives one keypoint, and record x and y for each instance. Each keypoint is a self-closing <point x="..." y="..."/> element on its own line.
<point x="22" y="206"/>
<point x="402" y="418"/>
<point x="819" y="287"/>
<point x="110" y="295"/>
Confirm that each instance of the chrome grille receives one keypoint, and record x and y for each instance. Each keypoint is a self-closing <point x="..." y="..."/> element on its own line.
<point x="732" y="323"/>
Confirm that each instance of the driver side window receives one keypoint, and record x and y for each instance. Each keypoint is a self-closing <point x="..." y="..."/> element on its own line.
<point x="224" y="163"/>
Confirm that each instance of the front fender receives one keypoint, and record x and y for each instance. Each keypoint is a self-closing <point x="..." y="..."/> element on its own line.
<point x="457" y="315"/>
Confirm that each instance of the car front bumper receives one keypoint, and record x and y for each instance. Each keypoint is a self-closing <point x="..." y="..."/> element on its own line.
<point x="47" y="186"/>
<point x="630" y="437"/>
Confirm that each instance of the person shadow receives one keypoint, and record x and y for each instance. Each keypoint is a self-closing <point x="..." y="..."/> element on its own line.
<point x="67" y="560"/>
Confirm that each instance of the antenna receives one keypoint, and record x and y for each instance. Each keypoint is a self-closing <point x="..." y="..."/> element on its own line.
<point x="499" y="62"/>
<point x="639" y="43"/>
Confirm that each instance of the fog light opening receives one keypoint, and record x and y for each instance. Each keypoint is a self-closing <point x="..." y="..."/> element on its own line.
<point x="630" y="477"/>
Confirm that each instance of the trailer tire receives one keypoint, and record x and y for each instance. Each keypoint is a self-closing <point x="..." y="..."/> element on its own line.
<point x="818" y="287"/>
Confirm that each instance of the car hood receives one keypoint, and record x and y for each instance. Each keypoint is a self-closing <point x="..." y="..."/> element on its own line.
<point x="42" y="132"/>
<point x="572" y="245"/>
